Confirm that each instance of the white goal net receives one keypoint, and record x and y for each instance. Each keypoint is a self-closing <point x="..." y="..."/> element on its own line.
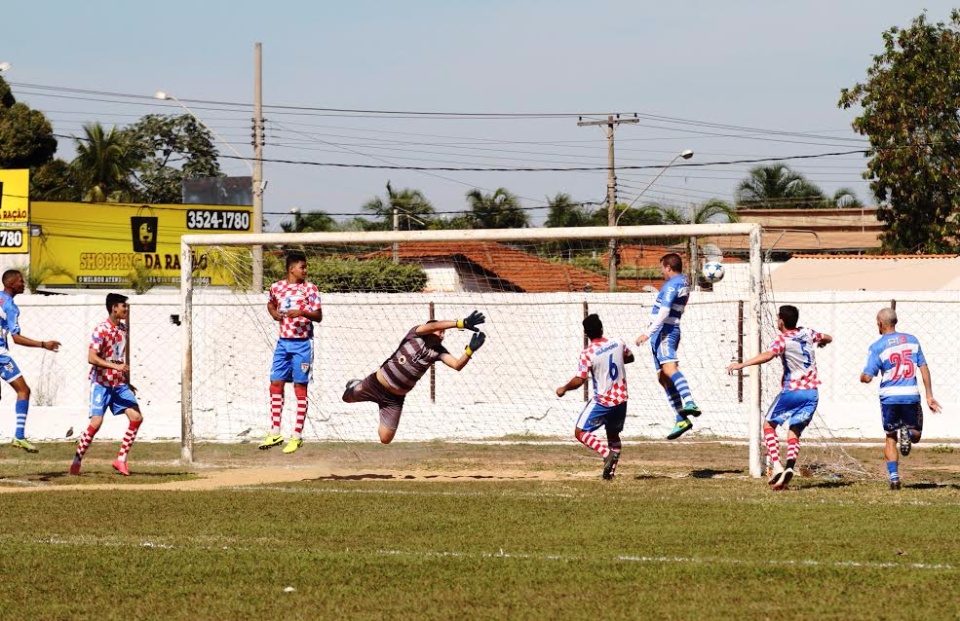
<point x="535" y="286"/>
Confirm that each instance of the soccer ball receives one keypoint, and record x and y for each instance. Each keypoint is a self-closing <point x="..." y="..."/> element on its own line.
<point x="713" y="271"/>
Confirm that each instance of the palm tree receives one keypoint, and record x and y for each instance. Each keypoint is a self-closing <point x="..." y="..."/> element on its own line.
<point x="310" y="222"/>
<point x="778" y="187"/>
<point x="714" y="210"/>
<point x="566" y="213"/>
<point x="846" y="198"/>
<point x="500" y="210"/>
<point x="104" y="164"/>
<point x="412" y="206"/>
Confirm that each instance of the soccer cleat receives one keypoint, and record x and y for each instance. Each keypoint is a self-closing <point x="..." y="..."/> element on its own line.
<point x="271" y="441"/>
<point x="75" y="467"/>
<point x="610" y="465"/>
<point x="784" y="480"/>
<point x="121" y="467"/>
<point x="777" y="476"/>
<point x="679" y="429"/>
<point x="690" y="409"/>
<point x="895" y="485"/>
<point x="904" y="441"/>
<point x="20" y="443"/>
<point x="292" y="446"/>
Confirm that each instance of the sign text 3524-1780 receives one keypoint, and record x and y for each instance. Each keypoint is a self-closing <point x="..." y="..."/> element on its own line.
<point x="218" y="220"/>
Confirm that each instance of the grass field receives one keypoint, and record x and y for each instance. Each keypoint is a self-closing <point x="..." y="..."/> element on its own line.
<point x="444" y="531"/>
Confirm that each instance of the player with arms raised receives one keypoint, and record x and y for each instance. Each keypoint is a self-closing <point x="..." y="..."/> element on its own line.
<point x="797" y="402"/>
<point x="295" y="304"/>
<point x="663" y="332"/>
<point x="420" y="348"/>
<point x="896" y="357"/>
<point x="604" y="359"/>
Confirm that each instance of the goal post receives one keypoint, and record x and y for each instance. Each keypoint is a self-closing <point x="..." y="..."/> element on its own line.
<point x="546" y="321"/>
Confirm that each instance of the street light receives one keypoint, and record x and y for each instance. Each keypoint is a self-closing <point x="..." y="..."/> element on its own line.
<point x="685" y="154"/>
<point x="256" y="179"/>
<point x="612" y="269"/>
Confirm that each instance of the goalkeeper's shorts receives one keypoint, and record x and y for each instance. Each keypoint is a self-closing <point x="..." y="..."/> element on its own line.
<point x="391" y="405"/>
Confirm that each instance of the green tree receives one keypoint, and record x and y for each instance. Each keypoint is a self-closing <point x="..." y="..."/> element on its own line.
<point x="909" y="112"/>
<point x="778" y="187"/>
<point x="714" y="210"/>
<point x="310" y="222"/>
<point x="414" y="210"/>
<point x="104" y="165"/>
<point x="499" y="210"/>
<point x="564" y="212"/>
<point x="640" y="215"/>
<point x="156" y="143"/>
<point x="55" y="181"/>
<point x="845" y="198"/>
<point x="26" y="136"/>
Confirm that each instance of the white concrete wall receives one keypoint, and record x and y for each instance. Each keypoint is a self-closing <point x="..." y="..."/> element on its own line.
<point x="533" y="344"/>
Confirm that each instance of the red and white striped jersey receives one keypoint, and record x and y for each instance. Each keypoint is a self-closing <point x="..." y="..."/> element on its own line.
<point x="797" y="351"/>
<point x="603" y="358"/>
<point x="290" y="295"/>
<point x="109" y="342"/>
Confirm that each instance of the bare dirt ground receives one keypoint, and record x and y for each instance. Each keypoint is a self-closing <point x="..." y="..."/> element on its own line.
<point x="223" y="466"/>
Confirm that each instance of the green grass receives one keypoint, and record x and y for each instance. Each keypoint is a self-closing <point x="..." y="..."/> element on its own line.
<point x="412" y="531"/>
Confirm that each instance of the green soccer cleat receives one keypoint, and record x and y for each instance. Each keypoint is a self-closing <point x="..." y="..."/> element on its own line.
<point x="270" y="442"/>
<point x="292" y="446"/>
<point x="20" y="443"/>
<point x="679" y="429"/>
<point x="690" y="409"/>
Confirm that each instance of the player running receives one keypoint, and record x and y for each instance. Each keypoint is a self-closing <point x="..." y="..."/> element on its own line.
<point x="605" y="359"/>
<point x="110" y="383"/>
<point x="797" y="402"/>
<point x="663" y="332"/>
<point x="13" y="285"/>
<point x="896" y="357"/>
<point x="420" y="348"/>
<point x="295" y="304"/>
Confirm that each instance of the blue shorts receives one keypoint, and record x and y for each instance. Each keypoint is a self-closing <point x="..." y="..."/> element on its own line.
<point x="897" y="415"/>
<point x="9" y="370"/>
<point x="664" y="345"/>
<point x="292" y="361"/>
<point x="794" y="408"/>
<point x="611" y="417"/>
<point x="118" y="398"/>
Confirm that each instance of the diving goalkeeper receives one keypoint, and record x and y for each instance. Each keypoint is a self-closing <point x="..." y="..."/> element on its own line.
<point x="419" y="349"/>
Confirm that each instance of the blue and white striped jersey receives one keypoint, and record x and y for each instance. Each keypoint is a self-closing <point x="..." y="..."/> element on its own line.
<point x="895" y="357"/>
<point x="673" y="295"/>
<point x="9" y="321"/>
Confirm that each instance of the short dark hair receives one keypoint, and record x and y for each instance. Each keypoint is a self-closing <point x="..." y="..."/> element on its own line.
<point x="673" y="261"/>
<point x="295" y="257"/>
<point x="113" y="299"/>
<point x="8" y="276"/>
<point x="592" y="326"/>
<point x="790" y="315"/>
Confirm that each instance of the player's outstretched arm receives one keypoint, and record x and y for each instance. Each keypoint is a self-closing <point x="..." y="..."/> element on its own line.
<point x="19" y="339"/>
<point x="825" y="339"/>
<point x="573" y="384"/>
<point x="932" y="403"/>
<point x="476" y="342"/>
<point x="762" y="358"/>
<point x="435" y="326"/>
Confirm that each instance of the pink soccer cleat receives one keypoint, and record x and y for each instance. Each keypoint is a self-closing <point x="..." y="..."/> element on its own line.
<point x="75" y="467"/>
<point x="121" y="467"/>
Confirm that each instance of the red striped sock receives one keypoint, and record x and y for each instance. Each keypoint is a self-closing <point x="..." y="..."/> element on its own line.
<point x="301" y="392"/>
<point x="793" y="448"/>
<point x="592" y="441"/>
<point x="128" y="439"/>
<point x="85" y="439"/>
<point x="276" y="408"/>
<point x="773" y="445"/>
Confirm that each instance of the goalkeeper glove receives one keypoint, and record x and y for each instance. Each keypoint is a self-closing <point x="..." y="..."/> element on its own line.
<point x="472" y="321"/>
<point x="475" y="343"/>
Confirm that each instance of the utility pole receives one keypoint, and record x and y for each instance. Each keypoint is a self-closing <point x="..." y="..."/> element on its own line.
<point x="258" y="184"/>
<point x="396" y="227"/>
<point x="611" y="124"/>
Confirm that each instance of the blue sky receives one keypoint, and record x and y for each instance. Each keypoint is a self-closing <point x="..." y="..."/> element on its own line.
<point x="762" y="67"/>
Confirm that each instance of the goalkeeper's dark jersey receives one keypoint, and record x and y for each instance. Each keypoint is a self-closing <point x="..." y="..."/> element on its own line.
<point x="405" y="366"/>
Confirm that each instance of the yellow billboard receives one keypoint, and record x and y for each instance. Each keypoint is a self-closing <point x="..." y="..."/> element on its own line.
<point x="14" y="210"/>
<point x="112" y="244"/>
